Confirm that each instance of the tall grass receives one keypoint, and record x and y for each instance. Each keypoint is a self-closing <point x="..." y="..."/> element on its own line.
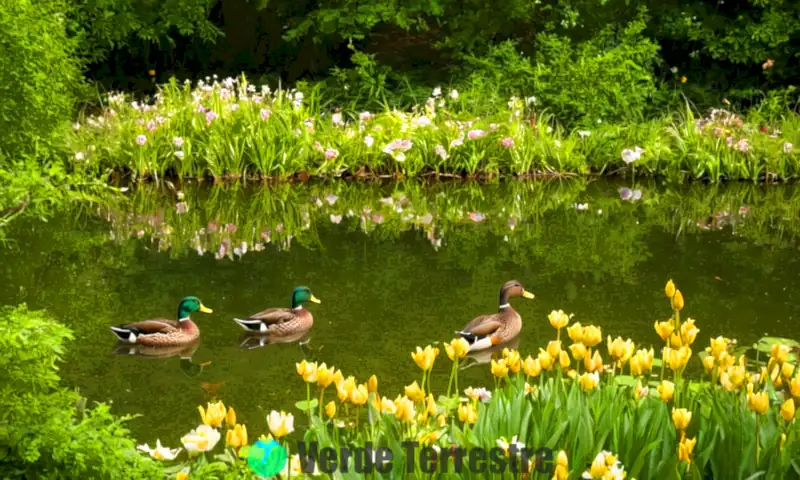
<point x="233" y="129"/>
<point x="582" y="406"/>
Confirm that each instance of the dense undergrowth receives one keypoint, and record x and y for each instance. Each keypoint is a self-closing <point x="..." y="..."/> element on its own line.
<point x="232" y="128"/>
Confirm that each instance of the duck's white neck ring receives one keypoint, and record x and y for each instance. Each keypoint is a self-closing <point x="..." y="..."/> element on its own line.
<point x="184" y="319"/>
<point x="299" y="307"/>
<point x="504" y="306"/>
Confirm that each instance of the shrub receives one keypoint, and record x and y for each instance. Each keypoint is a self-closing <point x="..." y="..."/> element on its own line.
<point x="45" y="429"/>
<point x="39" y="76"/>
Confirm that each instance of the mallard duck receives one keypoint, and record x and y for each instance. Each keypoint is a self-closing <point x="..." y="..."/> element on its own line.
<point x="162" y="332"/>
<point x="282" y="321"/>
<point x="487" y="330"/>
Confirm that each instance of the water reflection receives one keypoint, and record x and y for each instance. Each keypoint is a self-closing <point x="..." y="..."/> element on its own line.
<point x="186" y="352"/>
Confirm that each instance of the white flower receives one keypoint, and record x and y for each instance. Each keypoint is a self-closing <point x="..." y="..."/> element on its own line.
<point x="160" y="452"/>
<point x="201" y="439"/>
<point x="584" y="133"/>
<point x="336" y="118"/>
<point x="530" y="101"/>
<point x="280" y="423"/>
<point x="179" y="154"/>
<point x="368" y="141"/>
<point x="600" y="212"/>
<point x="629" y="156"/>
<point x="454" y="94"/>
<point x="581" y="206"/>
<point x="437" y="92"/>
<point x="400" y="157"/>
<point x="422" y="121"/>
<point x="674" y="69"/>
<point x="503" y="444"/>
<point x="787" y="147"/>
<point x="79" y="156"/>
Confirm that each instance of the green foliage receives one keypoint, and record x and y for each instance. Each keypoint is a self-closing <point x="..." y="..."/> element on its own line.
<point x="39" y="76"/>
<point x="608" y="78"/>
<point x="46" y="431"/>
<point x="104" y="25"/>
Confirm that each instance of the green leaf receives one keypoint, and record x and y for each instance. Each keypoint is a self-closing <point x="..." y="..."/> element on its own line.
<point x="305" y="405"/>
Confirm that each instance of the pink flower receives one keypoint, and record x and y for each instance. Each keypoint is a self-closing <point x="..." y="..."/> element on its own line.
<point x="457" y="142"/>
<point x="210" y="117"/>
<point x="398" y="145"/>
<point x="201" y="109"/>
<point x="507" y="142"/>
<point x="365" y="116"/>
<point x="336" y="118"/>
<point x="368" y="141"/>
<point x="318" y="146"/>
<point x="181" y="207"/>
<point x="742" y="145"/>
<point x="441" y="152"/>
<point x="151" y="126"/>
<point x="141" y="139"/>
<point x="475" y="134"/>
<point x="177" y="141"/>
<point x="492" y="126"/>
<point x="230" y="227"/>
<point x="477" y="217"/>
<point x="331" y="153"/>
<point x="265" y="113"/>
<point x="211" y="227"/>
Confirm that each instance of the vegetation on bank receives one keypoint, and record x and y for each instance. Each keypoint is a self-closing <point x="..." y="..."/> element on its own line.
<point x="234" y="129"/>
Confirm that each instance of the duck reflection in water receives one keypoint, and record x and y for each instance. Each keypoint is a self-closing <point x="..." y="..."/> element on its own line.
<point x="249" y="341"/>
<point x="485" y="356"/>
<point x="185" y="352"/>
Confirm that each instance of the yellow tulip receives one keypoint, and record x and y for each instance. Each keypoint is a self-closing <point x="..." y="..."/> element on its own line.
<point x="757" y="402"/>
<point x="467" y="413"/>
<point x="575" y="332"/>
<point x="787" y="410"/>
<point x="309" y="373"/>
<point x="359" y="395"/>
<point x="677" y="359"/>
<point x="424" y="358"/>
<point x="561" y="471"/>
<point x="404" y="409"/>
<point x="337" y="376"/>
<point x="593" y="363"/>
<point x="512" y="360"/>
<point x="372" y="384"/>
<point x="708" y="363"/>
<point x="664" y="329"/>
<point x="615" y="348"/>
<point x="530" y="389"/>
<point x="681" y="418"/>
<point x="330" y="409"/>
<point x="592" y="336"/>
<point x="675" y="341"/>
<point x="794" y="386"/>
<point x="531" y="367"/>
<point x="546" y="360"/>
<point x="640" y="390"/>
<point x="345" y="387"/>
<point x="230" y="418"/>
<point x="182" y="476"/>
<point x="441" y="420"/>
<point x="387" y="406"/>
<point x="779" y="352"/>
<point x="499" y="368"/>
<point x="554" y="348"/>
<point x="719" y="345"/>
<point x="324" y="376"/>
<point x="430" y="405"/>
<point x="213" y="415"/>
<point x="589" y="381"/>
<point x="787" y="370"/>
<point x="677" y="301"/>
<point x="414" y="392"/>
<point x="280" y="423"/>
<point x="428" y="438"/>
<point x="689" y="331"/>
<point x="563" y="359"/>
<point x="734" y="377"/>
<point x="666" y="390"/>
<point x="236" y="437"/>
<point x="670" y="289"/>
<point x="685" y="448"/>
<point x="457" y="348"/>
<point x="301" y="367"/>
<point x="558" y="319"/>
<point x="578" y="351"/>
<point x="725" y="360"/>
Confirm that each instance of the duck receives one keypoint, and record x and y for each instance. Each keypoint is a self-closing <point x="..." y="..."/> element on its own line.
<point x="160" y="332"/>
<point x="485" y="331"/>
<point x="283" y="322"/>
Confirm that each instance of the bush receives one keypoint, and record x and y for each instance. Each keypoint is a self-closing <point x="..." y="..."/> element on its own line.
<point x="39" y="76"/>
<point x="45" y="431"/>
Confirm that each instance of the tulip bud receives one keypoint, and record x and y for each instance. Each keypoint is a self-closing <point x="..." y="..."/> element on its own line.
<point x="670" y="289"/>
<point x="677" y="301"/>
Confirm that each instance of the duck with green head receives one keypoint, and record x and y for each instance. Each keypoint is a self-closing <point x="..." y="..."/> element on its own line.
<point x="283" y="321"/>
<point x="162" y="332"/>
<point x="485" y="331"/>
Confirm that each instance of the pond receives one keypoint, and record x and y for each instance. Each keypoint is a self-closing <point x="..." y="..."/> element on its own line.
<point x="396" y="265"/>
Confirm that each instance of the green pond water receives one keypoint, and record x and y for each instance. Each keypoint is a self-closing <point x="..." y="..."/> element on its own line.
<point x="396" y="266"/>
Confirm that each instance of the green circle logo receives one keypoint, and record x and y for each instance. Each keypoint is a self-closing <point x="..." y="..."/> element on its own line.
<point x="266" y="458"/>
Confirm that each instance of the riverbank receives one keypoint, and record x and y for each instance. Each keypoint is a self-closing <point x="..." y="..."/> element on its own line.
<point x="234" y="129"/>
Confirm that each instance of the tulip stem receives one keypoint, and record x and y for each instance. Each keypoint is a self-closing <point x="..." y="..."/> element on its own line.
<point x="321" y="398"/>
<point x="758" y="446"/>
<point x="308" y="402"/>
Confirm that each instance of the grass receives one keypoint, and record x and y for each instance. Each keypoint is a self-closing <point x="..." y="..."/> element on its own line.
<point x="603" y="408"/>
<point x="233" y="129"/>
